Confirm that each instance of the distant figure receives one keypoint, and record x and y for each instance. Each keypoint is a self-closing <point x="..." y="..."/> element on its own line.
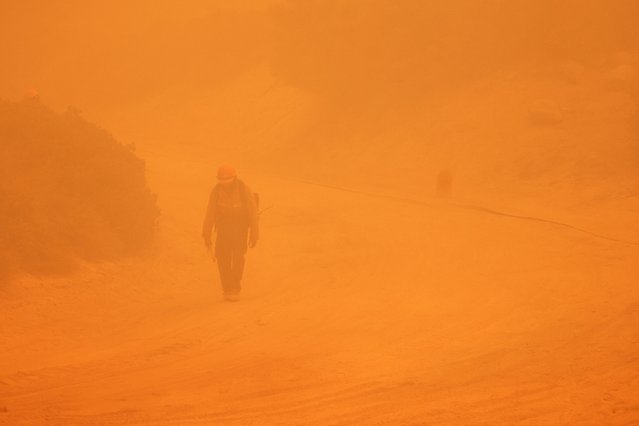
<point x="232" y="210"/>
<point x="32" y="95"/>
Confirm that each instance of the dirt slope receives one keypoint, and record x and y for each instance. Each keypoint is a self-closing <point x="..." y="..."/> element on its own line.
<point x="416" y="314"/>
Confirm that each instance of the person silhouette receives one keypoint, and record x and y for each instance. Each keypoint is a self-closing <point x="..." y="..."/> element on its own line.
<point x="232" y="211"/>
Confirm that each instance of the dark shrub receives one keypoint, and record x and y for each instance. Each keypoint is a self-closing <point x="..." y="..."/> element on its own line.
<point x="68" y="190"/>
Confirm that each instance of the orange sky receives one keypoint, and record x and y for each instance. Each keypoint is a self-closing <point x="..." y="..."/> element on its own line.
<point x="95" y="55"/>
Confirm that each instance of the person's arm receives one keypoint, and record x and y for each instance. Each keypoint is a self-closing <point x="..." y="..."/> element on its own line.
<point x="209" y="219"/>
<point x="254" y="231"/>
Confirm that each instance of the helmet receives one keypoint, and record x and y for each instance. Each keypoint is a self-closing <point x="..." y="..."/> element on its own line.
<point x="226" y="173"/>
<point x="32" y="95"/>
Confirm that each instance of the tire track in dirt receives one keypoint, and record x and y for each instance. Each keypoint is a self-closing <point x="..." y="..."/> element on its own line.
<point x="215" y="388"/>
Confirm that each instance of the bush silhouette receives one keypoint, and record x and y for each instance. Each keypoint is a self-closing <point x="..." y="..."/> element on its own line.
<point x="68" y="191"/>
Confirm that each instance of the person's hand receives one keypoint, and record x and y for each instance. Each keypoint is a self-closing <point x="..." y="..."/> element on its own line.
<point x="252" y="241"/>
<point x="208" y="243"/>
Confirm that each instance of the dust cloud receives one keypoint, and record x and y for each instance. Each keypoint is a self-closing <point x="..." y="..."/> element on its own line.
<point x="449" y="196"/>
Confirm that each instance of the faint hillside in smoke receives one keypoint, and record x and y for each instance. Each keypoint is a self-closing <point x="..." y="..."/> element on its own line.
<point x="530" y="98"/>
<point x="517" y="94"/>
<point x="389" y="54"/>
<point x="68" y="191"/>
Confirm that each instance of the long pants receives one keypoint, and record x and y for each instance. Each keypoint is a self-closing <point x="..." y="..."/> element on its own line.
<point x="230" y="248"/>
<point x="231" y="267"/>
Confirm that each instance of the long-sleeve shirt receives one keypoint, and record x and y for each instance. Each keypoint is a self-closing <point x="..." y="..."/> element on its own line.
<point x="227" y="204"/>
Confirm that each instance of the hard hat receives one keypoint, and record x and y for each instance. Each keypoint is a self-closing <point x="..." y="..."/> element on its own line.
<point x="226" y="173"/>
<point x="32" y="94"/>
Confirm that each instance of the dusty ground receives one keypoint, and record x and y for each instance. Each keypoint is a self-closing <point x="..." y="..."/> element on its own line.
<point x="356" y="310"/>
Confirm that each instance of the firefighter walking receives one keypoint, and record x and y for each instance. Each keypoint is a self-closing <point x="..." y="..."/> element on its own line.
<point x="232" y="212"/>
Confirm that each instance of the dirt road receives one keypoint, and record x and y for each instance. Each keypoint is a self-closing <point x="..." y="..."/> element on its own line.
<point x="356" y="310"/>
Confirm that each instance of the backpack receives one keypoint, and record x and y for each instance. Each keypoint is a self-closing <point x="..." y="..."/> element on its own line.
<point x="256" y="196"/>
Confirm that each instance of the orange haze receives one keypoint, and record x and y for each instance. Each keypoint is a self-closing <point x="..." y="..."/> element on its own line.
<point x="449" y="228"/>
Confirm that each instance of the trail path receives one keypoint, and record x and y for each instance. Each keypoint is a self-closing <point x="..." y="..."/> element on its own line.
<point x="355" y="310"/>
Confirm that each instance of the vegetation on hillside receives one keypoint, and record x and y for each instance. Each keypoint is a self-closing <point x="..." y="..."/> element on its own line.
<point x="68" y="191"/>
